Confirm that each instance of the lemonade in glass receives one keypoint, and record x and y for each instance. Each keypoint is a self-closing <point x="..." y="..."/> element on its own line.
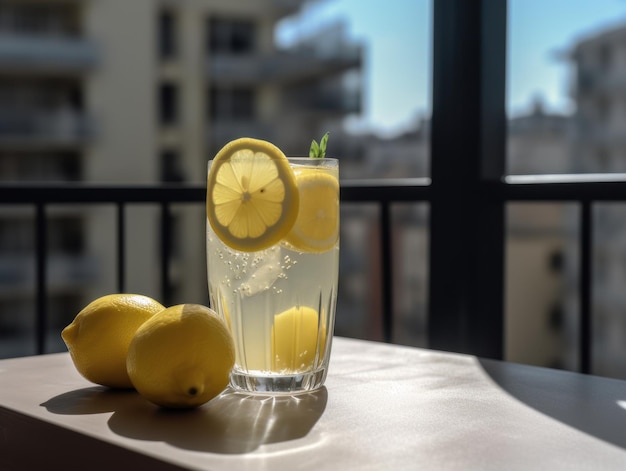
<point x="272" y="262"/>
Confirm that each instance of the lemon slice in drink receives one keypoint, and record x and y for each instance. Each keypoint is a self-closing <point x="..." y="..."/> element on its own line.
<point x="295" y="340"/>
<point x="252" y="196"/>
<point x="317" y="227"/>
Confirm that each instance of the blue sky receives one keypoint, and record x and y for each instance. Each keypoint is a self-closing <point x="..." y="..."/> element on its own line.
<point x="397" y="36"/>
<point x="539" y="32"/>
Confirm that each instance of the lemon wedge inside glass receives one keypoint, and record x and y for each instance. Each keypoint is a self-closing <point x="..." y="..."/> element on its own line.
<point x="317" y="226"/>
<point x="252" y="195"/>
<point x="295" y="336"/>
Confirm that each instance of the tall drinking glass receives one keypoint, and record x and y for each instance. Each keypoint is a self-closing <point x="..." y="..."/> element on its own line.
<point x="279" y="302"/>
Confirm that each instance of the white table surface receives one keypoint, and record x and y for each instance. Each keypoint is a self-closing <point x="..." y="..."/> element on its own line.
<point x="383" y="407"/>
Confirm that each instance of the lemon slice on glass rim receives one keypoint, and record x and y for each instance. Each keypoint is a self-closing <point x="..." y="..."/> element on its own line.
<point x="252" y="195"/>
<point x="317" y="227"/>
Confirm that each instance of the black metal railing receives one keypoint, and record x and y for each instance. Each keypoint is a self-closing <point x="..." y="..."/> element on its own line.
<point x="586" y="191"/>
<point x="467" y="195"/>
<point x="580" y="189"/>
<point x="383" y="193"/>
<point x="42" y="196"/>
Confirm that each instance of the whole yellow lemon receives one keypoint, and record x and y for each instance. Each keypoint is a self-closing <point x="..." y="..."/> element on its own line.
<point x="99" y="336"/>
<point x="181" y="357"/>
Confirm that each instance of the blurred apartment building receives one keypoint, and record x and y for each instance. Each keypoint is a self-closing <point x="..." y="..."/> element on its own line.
<point x="599" y="146"/>
<point x="538" y="323"/>
<point x="370" y="156"/>
<point x="142" y="92"/>
<point x="542" y="252"/>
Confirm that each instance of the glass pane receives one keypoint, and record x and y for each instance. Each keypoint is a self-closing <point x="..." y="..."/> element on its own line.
<point x="609" y="300"/>
<point x="360" y="307"/>
<point x="188" y="278"/>
<point x="410" y="274"/>
<point x="386" y="134"/>
<point x="359" y="300"/>
<point x="282" y="71"/>
<point x="541" y="323"/>
<point x="567" y="114"/>
<point x="565" y="100"/>
<point x="17" y="281"/>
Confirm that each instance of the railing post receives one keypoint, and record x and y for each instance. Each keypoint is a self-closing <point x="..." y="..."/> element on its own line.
<point x="121" y="247"/>
<point x="466" y="301"/>
<point x="585" y="284"/>
<point x="387" y="271"/>
<point x="41" y="277"/>
<point x="166" y="246"/>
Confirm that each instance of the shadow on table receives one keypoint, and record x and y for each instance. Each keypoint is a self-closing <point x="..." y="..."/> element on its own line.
<point x="231" y="423"/>
<point x="593" y="405"/>
<point x="93" y="400"/>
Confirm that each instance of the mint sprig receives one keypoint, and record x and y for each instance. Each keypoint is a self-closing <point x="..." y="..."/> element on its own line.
<point x="318" y="151"/>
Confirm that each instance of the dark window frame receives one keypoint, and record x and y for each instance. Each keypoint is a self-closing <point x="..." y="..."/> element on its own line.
<point x="231" y="35"/>
<point x="466" y="299"/>
<point x="468" y="193"/>
<point x="232" y="103"/>
<point x="167" y="34"/>
<point x="169" y="104"/>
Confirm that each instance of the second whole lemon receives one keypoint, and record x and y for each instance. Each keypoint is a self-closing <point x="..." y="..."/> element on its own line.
<point x="182" y="357"/>
<point x="99" y="336"/>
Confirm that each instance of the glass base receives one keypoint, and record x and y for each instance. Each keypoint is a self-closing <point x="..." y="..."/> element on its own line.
<point x="276" y="383"/>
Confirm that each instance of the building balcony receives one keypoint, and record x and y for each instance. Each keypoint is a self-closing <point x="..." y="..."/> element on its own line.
<point x="287" y="7"/>
<point x="341" y="100"/>
<point x="592" y="81"/>
<point x="45" y="54"/>
<point x="282" y="67"/>
<point x="594" y="132"/>
<point x="32" y="128"/>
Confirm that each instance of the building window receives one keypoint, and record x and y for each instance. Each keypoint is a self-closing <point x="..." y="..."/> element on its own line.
<point x="59" y="19"/>
<point x="45" y="166"/>
<point x="66" y="235"/>
<point x="168" y="104"/>
<point x="605" y="57"/>
<point x="603" y="110"/>
<point x="61" y="307"/>
<point x="16" y="236"/>
<point x="70" y="166"/>
<point x="231" y="36"/>
<point x="603" y="159"/>
<point x="171" y="168"/>
<point x="167" y="35"/>
<point x="232" y="103"/>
